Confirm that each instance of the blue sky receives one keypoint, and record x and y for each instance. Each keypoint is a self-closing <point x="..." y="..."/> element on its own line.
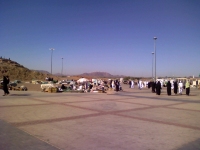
<point x="114" y="36"/>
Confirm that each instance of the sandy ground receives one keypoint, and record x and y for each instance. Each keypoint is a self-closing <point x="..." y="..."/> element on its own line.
<point x="129" y="120"/>
<point x="30" y="86"/>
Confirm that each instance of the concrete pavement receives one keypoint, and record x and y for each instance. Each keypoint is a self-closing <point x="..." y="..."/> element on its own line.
<point x="130" y="120"/>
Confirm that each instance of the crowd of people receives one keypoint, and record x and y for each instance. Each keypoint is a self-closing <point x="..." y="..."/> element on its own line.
<point x="156" y="87"/>
<point x="89" y="86"/>
<point x="115" y="84"/>
<point x="177" y="87"/>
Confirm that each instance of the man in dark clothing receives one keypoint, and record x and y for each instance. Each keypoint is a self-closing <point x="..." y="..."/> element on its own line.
<point x="158" y="88"/>
<point x="63" y="87"/>
<point x="153" y="85"/>
<point x="169" y="88"/>
<point x="90" y="86"/>
<point x="196" y="83"/>
<point x="175" y="87"/>
<point x="110" y="83"/>
<point x="184" y="84"/>
<point x="149" y="85"/>
<point x="5" y="85"/>
<point x="129" y="82"/>
<point x="117" y="85"/>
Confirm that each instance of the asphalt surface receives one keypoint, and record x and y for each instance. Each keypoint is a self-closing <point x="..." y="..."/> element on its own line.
<point x="132" y="119"/>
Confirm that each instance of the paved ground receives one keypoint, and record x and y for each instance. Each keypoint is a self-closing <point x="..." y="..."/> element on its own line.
<point x="130" y="120"/>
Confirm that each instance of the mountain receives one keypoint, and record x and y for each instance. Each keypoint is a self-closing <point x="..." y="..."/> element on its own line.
<point x="15" y="71"/>
<point x="59" y="74"/>
<point x="100" y="75"/>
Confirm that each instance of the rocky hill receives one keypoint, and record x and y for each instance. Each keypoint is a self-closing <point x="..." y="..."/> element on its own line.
<point x="18" y="72"/>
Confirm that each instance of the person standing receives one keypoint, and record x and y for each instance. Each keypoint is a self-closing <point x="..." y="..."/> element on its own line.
<point x="175" y="87"/>
<point x="71" y="83"/>
<point x="187" y="86"/>
<point x="149" y="85"/>
<point x="153" y="86"/>
<point x="172" y="85"/>
<point x="184" y="84"/>
<point x="132" y="84"/>
<point x="158" y="88"/>
<point x="140" y="84"/>
<point x="117" y="85"/>
<point x="196" y="83"/>
<point x="110" y="83"/>
<point x="161" y="82"/>
<point x="129" y="83"/>
<point x="5" y="85"/>
<point x="113" y="83"/>
<point x="169" y="88"/>
<point x="180" y="87"/>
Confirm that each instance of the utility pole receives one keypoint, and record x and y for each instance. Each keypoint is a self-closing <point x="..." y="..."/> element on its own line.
<point x="155" y="38"/>
<point x="52" y="49"/>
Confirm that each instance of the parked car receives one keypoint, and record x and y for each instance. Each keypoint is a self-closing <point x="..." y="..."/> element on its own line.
<point x="17" y="81"/>
<point x="125" y="81"/>
<point x="14" y="84"/>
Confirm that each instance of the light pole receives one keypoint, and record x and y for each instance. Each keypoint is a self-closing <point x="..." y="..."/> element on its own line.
<point x="155" y="54"/>
<point x="62" y="67"/>
<point x="152" y="64"/>
<point x="51" y="49"/>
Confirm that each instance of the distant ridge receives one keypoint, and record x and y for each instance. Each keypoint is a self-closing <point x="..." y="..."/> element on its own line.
<point x="100" y="74"/>
<point x="42" y="71"/>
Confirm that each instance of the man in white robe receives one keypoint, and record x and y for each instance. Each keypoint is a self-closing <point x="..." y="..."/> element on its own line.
<point x="132" y="84"/>
<point x="180" y="87"/>
<point x="140" y="85"/>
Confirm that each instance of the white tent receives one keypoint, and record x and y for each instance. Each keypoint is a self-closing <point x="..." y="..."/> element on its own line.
<point x="81" y="80"/>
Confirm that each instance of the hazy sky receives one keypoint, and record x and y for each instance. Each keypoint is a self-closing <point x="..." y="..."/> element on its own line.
<point x="114" y="36"/>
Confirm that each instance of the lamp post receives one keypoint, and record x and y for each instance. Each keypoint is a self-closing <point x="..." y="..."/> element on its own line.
<point x="155" y="55"/>
<point x="51" y="49"/>
<point x="62" y="67"/>
<point x="152" y="63"/>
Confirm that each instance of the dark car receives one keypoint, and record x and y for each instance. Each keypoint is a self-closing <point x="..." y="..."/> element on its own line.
<point x="125" y="81"/>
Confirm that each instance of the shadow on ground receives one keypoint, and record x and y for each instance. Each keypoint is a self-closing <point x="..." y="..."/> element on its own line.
<point x="12" y="138"/>
<point x="19" y="94"/>
<point x="194" y="145"/>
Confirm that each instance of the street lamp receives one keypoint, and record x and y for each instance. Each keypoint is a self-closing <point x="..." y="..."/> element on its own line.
<point x="51" y="49"/>
<point x="62" y="67"/>
<point x="152" y="63"/>
<point x="155" y="54"/>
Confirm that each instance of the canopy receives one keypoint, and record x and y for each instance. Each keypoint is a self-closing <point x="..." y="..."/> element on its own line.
<point x="81" y="80"/>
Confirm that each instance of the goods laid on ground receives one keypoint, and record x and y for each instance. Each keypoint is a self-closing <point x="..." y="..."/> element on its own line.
<point x="21" y="88"/>
<point x="83" y="85"/>
<point x="50" y="90"/>
<point x="36" y="82"/>
<point x="46" y="86"/>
